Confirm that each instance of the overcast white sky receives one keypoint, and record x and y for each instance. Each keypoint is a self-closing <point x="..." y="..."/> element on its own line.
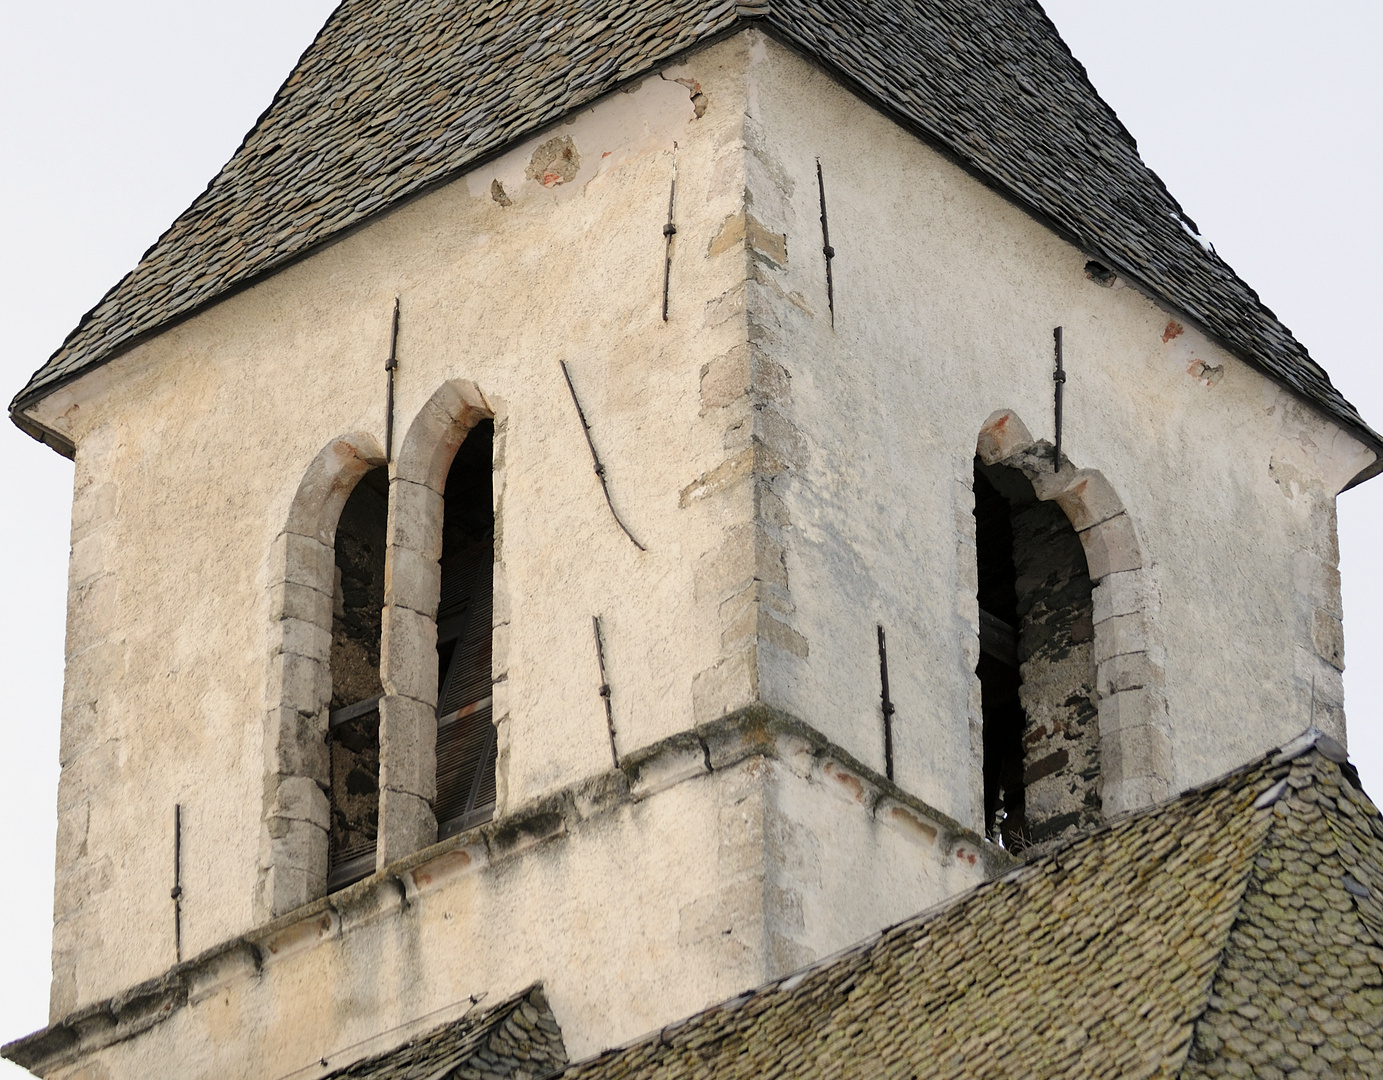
<point x="1264" y="118"/>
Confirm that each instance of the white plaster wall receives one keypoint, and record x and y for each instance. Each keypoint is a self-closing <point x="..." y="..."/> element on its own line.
<point x="595" y="916"/>
<point x="625" y="935"/>
<point x="946" y="296"/>
<point x="191" y="446"/>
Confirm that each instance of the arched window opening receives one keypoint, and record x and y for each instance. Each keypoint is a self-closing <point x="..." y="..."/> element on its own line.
<point x="353" y="727"/>
<point x="1036" y="667"/>
<point x="465" y="731"/>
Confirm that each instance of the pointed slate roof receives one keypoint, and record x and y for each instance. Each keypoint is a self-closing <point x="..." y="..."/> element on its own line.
<point x="396" y="96"/>
<point x="515" y="1040"/>
<point x="1235" y="931"/>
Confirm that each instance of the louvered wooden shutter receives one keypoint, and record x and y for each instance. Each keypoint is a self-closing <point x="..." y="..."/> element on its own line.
<point x="353" y="747"/>
<point x="465" y="732"/>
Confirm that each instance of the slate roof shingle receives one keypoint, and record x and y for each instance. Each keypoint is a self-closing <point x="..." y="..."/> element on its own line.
<point x="1235" y="931"/>
<point x="515" y="1040"/>
<point x="395" y="96"/>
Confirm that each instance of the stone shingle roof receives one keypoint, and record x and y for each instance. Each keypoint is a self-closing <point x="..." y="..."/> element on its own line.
<point x="1235" y="931"/>
<point x="397" y="95"/>
<point x="515" y="1040"/>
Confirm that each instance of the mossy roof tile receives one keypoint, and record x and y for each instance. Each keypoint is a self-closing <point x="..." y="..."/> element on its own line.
<point x="1175" y="942"/>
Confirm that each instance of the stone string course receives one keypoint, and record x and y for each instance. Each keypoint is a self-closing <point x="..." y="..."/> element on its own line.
<point x="722" y="744"/>
<point x="396" y="96"/>
<point x="1234" y="931"/>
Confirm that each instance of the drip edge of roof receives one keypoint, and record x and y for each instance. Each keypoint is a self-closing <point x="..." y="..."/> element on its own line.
<point x="750" y="15"/>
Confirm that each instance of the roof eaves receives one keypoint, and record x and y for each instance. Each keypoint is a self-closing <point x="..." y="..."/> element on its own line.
<point x="37" y="388"/>
<point x="30" y="394"/>
<point x="1313" y="385"/>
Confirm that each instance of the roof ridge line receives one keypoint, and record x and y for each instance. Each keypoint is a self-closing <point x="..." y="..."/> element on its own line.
<point x="1313" y="738"/>
<point x="1265" y="801"/>
<point x="789" y="982"/>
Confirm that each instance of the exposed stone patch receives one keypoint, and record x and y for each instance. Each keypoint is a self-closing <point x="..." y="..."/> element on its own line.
<point x="698" y="99"/>
<point x="765" y="277"/>
<point x="742" y="228"/>
<point x="1287" y="477"/>
<point x="725" y="475"/>
<point x="746" y="371"/>
<point x="1206" y="374"/>
<point x="731" y="304"/>
<point x="554" y="162"/>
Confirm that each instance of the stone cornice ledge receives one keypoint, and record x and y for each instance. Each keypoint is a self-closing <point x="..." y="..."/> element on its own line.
<point x="755" y="731"/>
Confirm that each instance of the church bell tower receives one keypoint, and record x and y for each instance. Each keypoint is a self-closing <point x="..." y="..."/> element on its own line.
<point x="592" y="511"/>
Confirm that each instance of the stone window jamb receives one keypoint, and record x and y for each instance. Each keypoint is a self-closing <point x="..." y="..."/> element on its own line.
<point x="301" y="580"/>
<point x="1134" y="732"/>
<point x="408" y="652"/>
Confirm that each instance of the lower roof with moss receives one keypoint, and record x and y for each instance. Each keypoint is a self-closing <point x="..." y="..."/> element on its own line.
<point x="1237" y="930"/>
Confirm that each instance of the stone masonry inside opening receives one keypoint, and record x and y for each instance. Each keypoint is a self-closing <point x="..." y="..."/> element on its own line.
<point x="465" y="731"/>
<point x="1036" y="666"/>
<point x="353" y="725"/>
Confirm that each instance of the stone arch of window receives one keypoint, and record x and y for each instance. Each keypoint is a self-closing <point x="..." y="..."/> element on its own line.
<point x="410" y="657"/>
<point x="300" y="590"/>
<point x="1135" y="758"/>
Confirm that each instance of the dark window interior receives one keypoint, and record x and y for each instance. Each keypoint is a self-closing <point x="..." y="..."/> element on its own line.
<point x="1004" y="721"/>
<point x="1036" y="668"/>
<point x="353" y="730"/>
<point x="465" y="731"/>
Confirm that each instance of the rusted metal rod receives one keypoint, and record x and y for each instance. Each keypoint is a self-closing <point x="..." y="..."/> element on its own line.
<point x="826" y="248"/>
<point x="177" y="882"/>
<point x="1059" y="381"/>
<point x="669" y="231"/>
<point x="595" y="458"/>
<point x="887" y="704"/>
<point x="390" y="367"/>
<point x="605" y="688"/>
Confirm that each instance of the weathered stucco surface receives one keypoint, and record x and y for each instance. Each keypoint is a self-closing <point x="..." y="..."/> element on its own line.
<point x="945" y="300"/>
<point x="794" y="484"/>
<point x="624" y="933"/>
